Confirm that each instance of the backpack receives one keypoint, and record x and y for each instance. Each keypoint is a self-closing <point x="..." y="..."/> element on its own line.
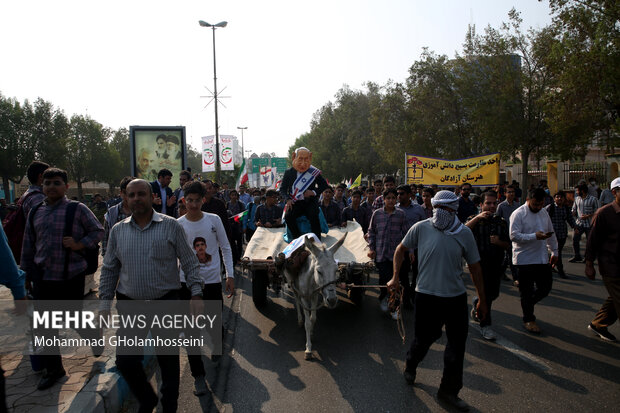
<point x="14" y="224"/>
<point x="91" y="255"/>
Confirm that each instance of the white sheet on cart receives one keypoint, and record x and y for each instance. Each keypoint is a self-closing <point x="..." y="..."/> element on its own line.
<point x="268" y="242"/>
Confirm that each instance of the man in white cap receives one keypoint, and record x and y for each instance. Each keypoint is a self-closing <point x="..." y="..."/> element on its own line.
<point x="441" y="299"/>
<point x="604" y="244"/>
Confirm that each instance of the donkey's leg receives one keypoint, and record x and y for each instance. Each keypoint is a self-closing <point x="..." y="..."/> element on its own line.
<point x="298" y="308"/>
<point x="309" y="324"/>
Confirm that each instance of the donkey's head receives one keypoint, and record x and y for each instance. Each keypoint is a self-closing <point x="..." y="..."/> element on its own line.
<point x="325" y="269"/>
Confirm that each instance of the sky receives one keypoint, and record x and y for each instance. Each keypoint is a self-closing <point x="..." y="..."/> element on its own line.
<point x="149" y="63"/>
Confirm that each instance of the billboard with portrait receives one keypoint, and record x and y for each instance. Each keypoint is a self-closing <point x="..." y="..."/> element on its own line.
<point x="157" y="147"/>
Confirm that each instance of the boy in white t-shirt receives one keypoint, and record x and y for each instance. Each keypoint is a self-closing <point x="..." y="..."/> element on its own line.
<point x="205" y="228"/>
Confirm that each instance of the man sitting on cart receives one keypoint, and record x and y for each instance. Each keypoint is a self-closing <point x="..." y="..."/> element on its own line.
<point x="300" y="186"/>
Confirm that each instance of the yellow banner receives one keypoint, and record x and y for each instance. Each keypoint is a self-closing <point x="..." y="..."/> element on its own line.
<point x="477" y="171"/>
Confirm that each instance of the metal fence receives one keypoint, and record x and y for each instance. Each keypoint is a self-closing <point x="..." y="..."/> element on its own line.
<point x="578" y="171"/>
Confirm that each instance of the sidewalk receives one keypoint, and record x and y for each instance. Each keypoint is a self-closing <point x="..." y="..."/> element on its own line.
<point x="91" y="384"/>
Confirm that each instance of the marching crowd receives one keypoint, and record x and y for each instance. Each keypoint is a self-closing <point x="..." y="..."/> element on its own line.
<point x="417" y="235"/>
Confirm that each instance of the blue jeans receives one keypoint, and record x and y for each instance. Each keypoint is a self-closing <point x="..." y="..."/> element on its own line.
<point x="579" y="231"/>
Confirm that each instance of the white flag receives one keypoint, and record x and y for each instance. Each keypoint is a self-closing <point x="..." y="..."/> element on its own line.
<point x="208" y="153"/>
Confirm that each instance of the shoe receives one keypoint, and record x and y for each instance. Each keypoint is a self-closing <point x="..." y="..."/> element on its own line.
<point x="394" y="315"/>
<point x="474" y="315"/>
<point x="488" y="333"/>
<point x="576" y="259"/>
<point x="532" y="327"/>
<point x="200" y="386"/>
<point x="384" y="304"/>
<point x="516" y="283"/>
<point x="602" y="332"/>
<point x="453" y="400"/>
<point x="409" y="376"/>
<point x="49" y="378"/>
<point x="149" y="406"/>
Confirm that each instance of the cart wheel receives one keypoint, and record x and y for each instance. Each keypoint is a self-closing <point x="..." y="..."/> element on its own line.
<point x="260" y="281"/>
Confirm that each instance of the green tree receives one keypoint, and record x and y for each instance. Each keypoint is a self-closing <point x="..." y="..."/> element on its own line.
<point x="586" y="62"/>
<point x="17" y="149"/>
<point x="87" y="151"/>
<point x="50" y="131"/>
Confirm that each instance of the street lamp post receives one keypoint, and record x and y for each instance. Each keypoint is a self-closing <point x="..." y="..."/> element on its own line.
<point x="217" y="132"/>
<point x="242" y="129"/>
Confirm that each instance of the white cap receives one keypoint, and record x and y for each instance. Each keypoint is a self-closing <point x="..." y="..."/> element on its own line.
<point x="615" y="183"/>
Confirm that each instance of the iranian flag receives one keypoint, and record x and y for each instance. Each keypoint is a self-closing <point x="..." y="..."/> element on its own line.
<point x="239" y="217"/>
<point x="243" y="175"/>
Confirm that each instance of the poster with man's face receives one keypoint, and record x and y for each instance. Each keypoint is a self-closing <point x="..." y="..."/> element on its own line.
<point x="156" y="148"/>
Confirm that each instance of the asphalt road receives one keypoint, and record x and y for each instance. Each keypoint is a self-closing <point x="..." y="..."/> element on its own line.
<point x="359" y="358"/>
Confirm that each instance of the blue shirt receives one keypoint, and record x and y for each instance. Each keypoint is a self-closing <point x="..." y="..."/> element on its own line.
<point x="414" y="213"/>
<point x="10" y="276"/>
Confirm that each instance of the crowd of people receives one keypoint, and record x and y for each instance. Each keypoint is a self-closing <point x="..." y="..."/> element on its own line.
<point x="418" y="237"/>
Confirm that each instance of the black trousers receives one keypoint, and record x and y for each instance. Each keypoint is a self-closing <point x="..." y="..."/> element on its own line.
<point x="560" y="265"/>
<point x="236" y="245"/>
<point x="306" y="207"/>
<point x="491" y="280"/>
<point x="72" y="292"/>
<point x="535" y="283"/>
<point x="130" y="365"/>
<point x="431" y="314"/>
<point x="194" y="356"/>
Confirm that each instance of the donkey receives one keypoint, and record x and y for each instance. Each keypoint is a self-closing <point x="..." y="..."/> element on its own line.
<point x="316" y="277"/>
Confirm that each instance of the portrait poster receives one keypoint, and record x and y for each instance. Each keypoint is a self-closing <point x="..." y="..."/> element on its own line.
<point x="208" y="153"/>
<point x="477" y="171"/>
<point x="154" y="148"/>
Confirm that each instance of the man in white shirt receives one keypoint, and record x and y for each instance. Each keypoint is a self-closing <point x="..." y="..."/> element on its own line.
<point x="209" y="229"/>
<point x="531" y="232"/>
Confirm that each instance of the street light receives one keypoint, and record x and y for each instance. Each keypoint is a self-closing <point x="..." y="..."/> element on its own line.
<point x="217" y="133"/>
<point x="242" y="129"/>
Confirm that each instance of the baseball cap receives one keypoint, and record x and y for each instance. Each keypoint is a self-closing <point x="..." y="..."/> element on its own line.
<point x="615" y="183"/>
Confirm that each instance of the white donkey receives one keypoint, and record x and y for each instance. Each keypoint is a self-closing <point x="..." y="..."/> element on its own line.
<point x="316" y="277"/>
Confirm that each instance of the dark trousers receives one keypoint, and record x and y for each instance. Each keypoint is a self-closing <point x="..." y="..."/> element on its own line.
<point x="535" y="283"/>
<point x="385" y="270"/>
<point x="560" y="265"/>
<point x="194" y="356"/>
<point x="71" y="291"/>
<point x="577" y="239"/>
<point x="236" y="245"/>
<point x="431" y="314"/>
<point x="309" y="208"/>
<point x="491" y="280"/>
<point x="608" y="314"/>
<point x="130" y="365"/>
<point x="3" y="408"/>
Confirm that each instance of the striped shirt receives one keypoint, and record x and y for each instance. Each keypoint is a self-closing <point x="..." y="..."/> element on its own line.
<point x="31" y="200"/>
<point x="143" y="261"/>
<point x="385" y="232"/>
<point x="43" y="248"/>
<point x="584" y="206"/>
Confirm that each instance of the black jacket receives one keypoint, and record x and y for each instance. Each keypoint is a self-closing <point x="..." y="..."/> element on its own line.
<point x="157" y="191"/>
<point x="318" y="185"/>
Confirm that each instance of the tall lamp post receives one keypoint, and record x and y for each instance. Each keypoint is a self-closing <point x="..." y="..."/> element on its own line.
<point x="242" y="129"/>
<point x="217" y="132"/>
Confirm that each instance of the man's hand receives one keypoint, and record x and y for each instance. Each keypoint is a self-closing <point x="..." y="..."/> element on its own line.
<point x="196" y="305"/>
<point x="171" y="200"/>
<point x="393" y="283"/>
<point x="69" y="242"/>
<point x="541" y="235"/>
<point x="372" y="254"/>
<point x="411" y="257"/>
<point x="268" y="224"/>
<point x="103" y="314"/>
<point x="484" y="215"/>
<point x="481" y="310"/>
<point x="289" y="204"/>
<point x="553" y="261"/>
<point x="230" y="286"/>
<point x="495" y="240"/>
<point x="590" y="270"/>
<point x="308" y="193"/>
<point x="156" y="200"/>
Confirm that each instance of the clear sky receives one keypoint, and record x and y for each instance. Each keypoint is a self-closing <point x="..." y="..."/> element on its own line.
<point x="135" y="62"/>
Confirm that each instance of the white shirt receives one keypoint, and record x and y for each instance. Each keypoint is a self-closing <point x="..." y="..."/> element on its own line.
<point x="526" y="249"/>
<point x="210" y="228"/>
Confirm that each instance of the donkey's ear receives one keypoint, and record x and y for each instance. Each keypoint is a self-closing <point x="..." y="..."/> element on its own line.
<point x="309" y="243"/>
<point x="338" y="244"/>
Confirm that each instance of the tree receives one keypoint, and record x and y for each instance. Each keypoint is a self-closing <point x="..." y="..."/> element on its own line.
<point x="17" y="149"/>
<point x="50" y="130"/>
<point x="586" y="61"/>
<point x="87" y="151"/>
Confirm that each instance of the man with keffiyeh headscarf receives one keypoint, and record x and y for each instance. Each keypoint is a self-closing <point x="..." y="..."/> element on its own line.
<point x="441" y="299"/>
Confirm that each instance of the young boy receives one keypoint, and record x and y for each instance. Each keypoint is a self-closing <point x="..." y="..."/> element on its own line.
<point x="208" y="227"/>
<point x="269" y="215"/>
<point x="388" y="227"/>
<point x="200" y="245"/>
<point x="356" y="212"/>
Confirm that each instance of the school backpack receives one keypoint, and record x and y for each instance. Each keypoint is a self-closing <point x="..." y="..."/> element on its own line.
<point x="14" y="224"/>
<point x="91" y="255"/>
